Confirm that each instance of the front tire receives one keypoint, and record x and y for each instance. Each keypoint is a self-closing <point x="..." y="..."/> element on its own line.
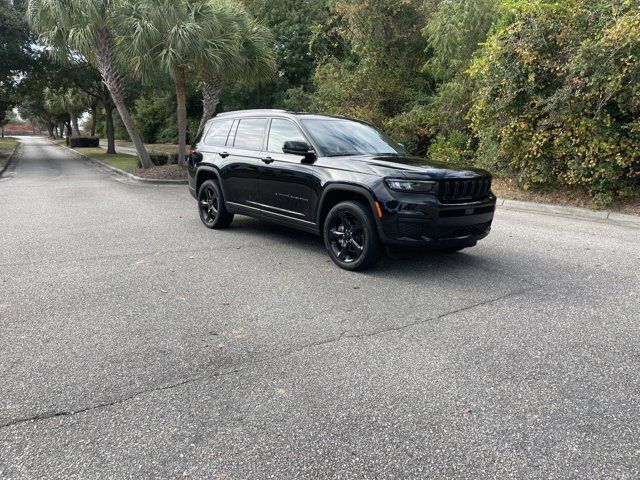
<point x="351" y="237"/>
<point x="213" y="211"/>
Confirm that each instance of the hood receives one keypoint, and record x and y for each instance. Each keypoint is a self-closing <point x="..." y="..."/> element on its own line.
<point x="408" y="166"/>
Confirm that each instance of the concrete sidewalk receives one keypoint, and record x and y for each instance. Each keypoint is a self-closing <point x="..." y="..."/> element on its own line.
<point x="119" y="149"/>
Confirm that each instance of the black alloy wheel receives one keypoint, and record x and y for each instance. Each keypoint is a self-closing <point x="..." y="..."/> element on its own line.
<point x="350" y="236"/>
<point x="213" y="212"/>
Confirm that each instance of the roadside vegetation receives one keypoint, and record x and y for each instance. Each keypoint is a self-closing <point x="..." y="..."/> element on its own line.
<point x="7" y="145"/>
<point x="119" y="160"/>
<point x="543" y="93"/>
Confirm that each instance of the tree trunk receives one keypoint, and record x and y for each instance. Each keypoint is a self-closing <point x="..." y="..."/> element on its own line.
<point x="105" y="58"/>
<point x="108" y="120"/>
<point x="2" y="128"/>
<point x="74" y="122"/>
<point x="211" y="89"/>
<point x="94" y="119"/>
<point x="126" y="118"/>
<point x="181" y="97"/>
<point x="50" y="130"/>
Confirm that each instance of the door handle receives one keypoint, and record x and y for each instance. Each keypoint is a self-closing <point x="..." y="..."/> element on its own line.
<point x="224" y="154"/>
<point x="267" y="160"/>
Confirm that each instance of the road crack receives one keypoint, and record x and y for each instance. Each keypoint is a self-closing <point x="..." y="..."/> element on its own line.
<point x="344" y="335"/>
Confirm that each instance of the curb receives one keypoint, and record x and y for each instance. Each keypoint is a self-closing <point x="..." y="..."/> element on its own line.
<point x="572" y="212"/>
<point x="122" y="173"/>
<point x="10" y="158"/>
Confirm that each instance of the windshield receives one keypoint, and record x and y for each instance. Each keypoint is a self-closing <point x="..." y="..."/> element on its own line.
<point x="337" y="137"/>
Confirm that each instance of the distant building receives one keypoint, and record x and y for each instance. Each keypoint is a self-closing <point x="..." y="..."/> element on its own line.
<point x="14" y="129"/>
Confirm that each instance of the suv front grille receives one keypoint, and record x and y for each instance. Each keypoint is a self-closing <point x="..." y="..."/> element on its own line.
<point x="451" y="191"/>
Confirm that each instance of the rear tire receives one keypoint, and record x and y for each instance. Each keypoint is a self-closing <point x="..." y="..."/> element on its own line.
<point x="351" y="237"/>
<point x="211" y="206"/>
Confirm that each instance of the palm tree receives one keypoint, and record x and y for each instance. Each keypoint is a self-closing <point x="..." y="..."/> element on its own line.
<point x="172" y="37"/>
<point x="55" y="106"/>
<point x="76" y="102"/>
<point x="209" y="40"/>
<point x="252" y="61"/>
<point x="84" y="27"/>
<point x="71" y="102"/>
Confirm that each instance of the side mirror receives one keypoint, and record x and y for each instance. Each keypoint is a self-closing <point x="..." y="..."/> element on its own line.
<point x="299" y="148"/>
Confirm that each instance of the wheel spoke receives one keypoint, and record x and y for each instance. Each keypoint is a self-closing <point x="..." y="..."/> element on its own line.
<point x="342" y="254"/>
<point x="359" y="248"/>
<point x="335" y="234"/>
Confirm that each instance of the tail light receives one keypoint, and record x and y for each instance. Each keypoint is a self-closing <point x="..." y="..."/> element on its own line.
<point x="192" y="149"/>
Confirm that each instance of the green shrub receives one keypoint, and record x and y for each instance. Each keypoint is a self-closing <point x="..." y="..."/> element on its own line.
<point x="558" y="100"/>
<point x="455" y="148"/>
<point x="159" y="158"/>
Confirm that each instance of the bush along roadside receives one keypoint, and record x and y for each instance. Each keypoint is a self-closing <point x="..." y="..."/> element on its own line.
<point x="557" y="102"/>
<point x="162" y="158"/>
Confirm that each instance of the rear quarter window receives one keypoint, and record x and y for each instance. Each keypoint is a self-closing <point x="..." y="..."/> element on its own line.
<point x="218" y="133"/>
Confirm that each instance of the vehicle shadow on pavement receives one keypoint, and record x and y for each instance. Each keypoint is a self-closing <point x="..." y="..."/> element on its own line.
<point x="406" y="262"/>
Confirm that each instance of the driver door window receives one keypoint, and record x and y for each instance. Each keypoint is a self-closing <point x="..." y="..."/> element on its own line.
<point x="283" y="131"/>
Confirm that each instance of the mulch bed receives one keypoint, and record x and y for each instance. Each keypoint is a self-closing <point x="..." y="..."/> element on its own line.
<point x="162" y="172"/>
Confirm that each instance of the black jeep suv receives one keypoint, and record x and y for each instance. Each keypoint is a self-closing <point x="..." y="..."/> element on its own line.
<point x="338" y="178"/>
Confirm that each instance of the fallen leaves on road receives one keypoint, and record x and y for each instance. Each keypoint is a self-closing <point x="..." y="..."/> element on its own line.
<point x="239" y="334"/>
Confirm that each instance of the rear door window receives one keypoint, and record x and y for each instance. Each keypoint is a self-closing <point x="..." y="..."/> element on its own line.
<point x="218" y="133"/>
<point x="250" y="133"/>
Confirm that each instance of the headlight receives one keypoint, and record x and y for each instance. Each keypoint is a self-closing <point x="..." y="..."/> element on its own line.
<point x="415" y="186"/>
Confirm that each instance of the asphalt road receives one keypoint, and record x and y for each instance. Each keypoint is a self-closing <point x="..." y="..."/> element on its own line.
<point x="135" y="343"/>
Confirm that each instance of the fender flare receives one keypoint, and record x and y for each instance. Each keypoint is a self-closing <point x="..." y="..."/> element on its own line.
<point x="215" y="171"/>
<point x="368" y="194"/>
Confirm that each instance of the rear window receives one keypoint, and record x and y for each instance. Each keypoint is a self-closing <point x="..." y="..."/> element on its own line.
<point x="250" y="133"/>
<point x="218" y="133"/>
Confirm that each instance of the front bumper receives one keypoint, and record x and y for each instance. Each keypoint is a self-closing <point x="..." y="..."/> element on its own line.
<point x="423" y="221"/>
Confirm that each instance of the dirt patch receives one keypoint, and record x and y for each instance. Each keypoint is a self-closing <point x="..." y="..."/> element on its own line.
<point x="506" y="188"/>
<point x="162" y="172"/>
